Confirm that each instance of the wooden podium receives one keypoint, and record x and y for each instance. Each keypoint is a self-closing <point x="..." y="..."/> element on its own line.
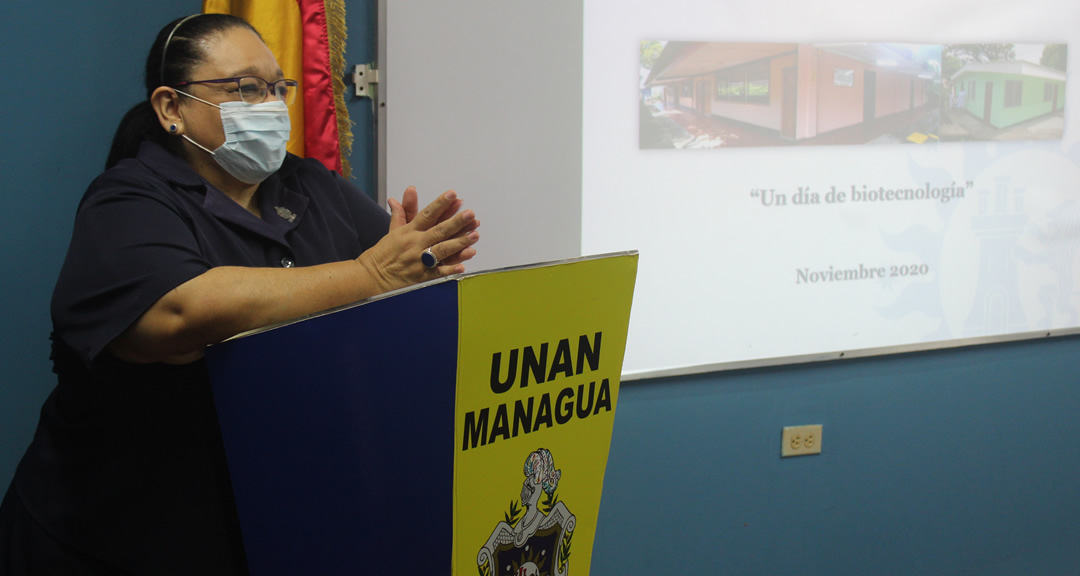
<point x="457" y="427"/>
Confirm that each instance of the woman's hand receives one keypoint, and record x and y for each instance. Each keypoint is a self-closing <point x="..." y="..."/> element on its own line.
<point x="395" y="261"/>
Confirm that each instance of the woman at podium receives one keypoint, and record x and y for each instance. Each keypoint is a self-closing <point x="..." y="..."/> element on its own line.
<point x="201" y="227"/>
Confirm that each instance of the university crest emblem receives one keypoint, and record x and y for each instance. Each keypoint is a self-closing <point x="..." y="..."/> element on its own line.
<point x="534" y="539"/>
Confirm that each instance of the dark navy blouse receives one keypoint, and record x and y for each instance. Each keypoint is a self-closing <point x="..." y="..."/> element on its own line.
<point x="127" y="464"/>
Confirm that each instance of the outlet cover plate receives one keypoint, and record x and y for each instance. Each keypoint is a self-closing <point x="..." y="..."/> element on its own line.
<point x="800" y="440"/>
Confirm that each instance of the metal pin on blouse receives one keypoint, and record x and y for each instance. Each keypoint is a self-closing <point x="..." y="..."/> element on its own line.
<point x="428" y="258"/>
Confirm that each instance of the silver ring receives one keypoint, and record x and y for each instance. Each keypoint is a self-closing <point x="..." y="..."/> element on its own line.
<point x="428" y="259"/>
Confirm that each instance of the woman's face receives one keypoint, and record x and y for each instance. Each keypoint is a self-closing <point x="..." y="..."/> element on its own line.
<point x="235" y="52"/>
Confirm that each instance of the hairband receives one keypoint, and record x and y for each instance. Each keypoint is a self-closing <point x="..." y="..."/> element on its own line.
<point x="165" y="48"/>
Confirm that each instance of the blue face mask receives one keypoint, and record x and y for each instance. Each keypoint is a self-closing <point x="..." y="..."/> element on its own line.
<point x="255" y="138"/>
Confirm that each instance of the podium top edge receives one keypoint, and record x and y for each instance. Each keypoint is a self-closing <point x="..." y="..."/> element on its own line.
<point x="451" y="278"/>
<point x="545" y="264"/>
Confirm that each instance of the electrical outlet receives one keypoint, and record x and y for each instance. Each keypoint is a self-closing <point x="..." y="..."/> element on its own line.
<point x="800" y="440"/>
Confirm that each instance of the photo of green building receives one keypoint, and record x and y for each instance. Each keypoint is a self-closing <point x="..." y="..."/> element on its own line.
<point x="1006" y="93"/>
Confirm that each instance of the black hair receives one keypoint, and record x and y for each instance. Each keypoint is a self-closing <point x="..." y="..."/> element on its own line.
<point x="170" y="65"/>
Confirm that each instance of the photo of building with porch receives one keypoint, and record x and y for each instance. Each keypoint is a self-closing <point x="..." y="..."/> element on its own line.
<point x="721" y="94"/>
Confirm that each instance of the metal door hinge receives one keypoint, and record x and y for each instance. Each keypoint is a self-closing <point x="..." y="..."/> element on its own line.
<point x="365" y="78"/>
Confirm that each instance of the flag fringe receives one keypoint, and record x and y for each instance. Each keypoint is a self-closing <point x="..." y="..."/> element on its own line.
<point x="336" y="32"/>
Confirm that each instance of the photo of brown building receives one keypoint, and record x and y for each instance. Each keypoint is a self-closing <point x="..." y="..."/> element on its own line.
<point x="721" y="94"/>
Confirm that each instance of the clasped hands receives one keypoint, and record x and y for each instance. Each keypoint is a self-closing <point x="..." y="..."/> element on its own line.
<point x="395" y="261"/>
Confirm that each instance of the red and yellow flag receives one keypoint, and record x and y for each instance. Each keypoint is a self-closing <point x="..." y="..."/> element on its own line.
<point x="308" y="39"/>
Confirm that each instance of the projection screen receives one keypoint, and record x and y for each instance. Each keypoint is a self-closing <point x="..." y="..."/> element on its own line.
<point x="803" y="180"/>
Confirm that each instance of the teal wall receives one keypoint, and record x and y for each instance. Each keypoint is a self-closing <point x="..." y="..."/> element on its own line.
<point x="957" y="462"/>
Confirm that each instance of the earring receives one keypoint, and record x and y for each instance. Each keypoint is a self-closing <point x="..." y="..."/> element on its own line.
<point x="172" y="129"/>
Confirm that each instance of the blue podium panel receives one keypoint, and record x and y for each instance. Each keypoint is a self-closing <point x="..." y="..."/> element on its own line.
<point x="339" y="430"/>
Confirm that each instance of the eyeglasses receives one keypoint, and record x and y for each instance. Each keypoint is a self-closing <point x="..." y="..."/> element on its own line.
<point x="252" y="89"/>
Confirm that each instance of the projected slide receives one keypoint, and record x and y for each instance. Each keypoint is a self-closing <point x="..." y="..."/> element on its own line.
<point x="809" y="178"/>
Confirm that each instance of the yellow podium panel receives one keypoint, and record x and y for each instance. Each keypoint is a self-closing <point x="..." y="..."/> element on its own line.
<point x="540" y="353"/>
